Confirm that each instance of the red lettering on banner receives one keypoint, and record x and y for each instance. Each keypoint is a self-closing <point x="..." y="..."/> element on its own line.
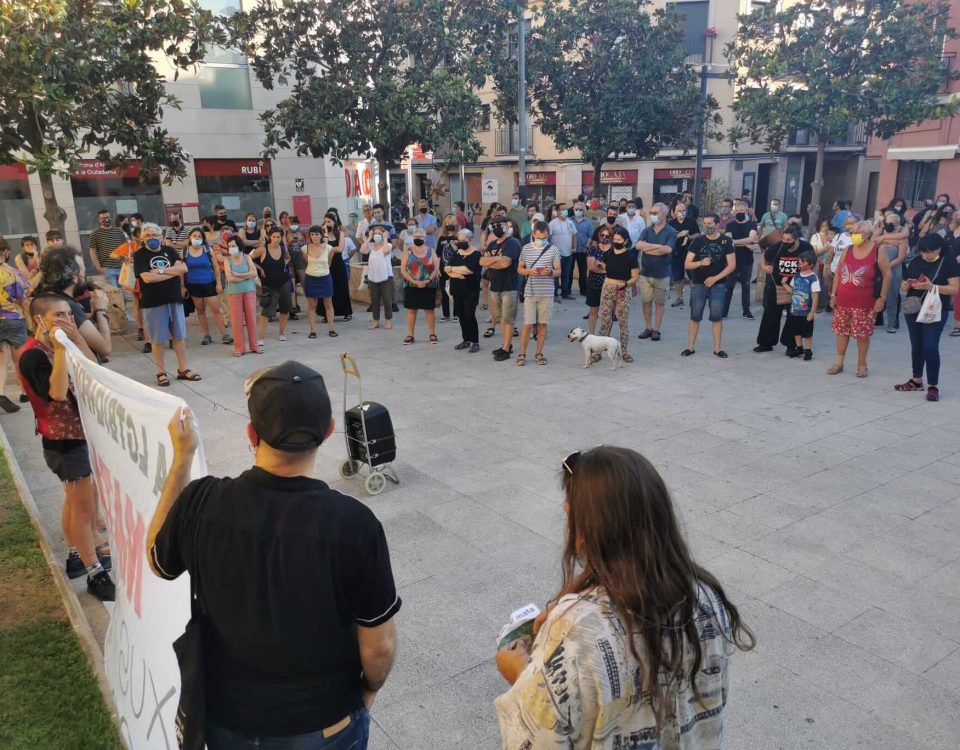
<point x="367" y="182"/>
<point x="127" y="527"/>
<point x="349" y="182"/>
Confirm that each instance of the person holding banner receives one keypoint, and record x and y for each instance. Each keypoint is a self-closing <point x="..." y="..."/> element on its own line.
<point x="44" y="376"/>
<point x="295" y="592"/>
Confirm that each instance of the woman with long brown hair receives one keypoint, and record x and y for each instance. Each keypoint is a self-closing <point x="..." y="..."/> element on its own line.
<point x="638" y="640"/>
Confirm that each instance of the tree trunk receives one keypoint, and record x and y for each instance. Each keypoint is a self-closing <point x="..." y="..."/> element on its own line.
<point x="816" y="186"/>
<point x="597" y="162"/>
<point x="52" y="211"/>
<point x="383" y="189"/>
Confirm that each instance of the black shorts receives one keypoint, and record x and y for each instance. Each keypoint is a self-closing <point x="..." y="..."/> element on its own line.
<point x="593" y="296"/>
<point x="202" y="290"/>
<point x="71" y="464"/>
<point x="800" y="326"/>
<point x="272" y="300"/>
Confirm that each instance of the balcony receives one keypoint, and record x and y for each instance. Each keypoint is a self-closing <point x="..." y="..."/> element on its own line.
<point x="949" y="59"/>
<point x="856" y="136"/>
<point x="508" y="141"/>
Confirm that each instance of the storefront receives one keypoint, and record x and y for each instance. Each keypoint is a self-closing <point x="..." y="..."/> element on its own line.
<point x="541" y="188"/>
<point x="614" y="185"/>
<point x="671" y="184"/>
<point x="96" y="187"/>
<point x="241" y="186"/>
<point x="16" y="207"/>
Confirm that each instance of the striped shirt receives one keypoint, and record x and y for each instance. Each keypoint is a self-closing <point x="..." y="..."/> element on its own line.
<point x="103" y="242"/>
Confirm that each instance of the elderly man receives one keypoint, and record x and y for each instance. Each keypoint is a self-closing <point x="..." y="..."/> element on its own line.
<point x="656" y="245"/>
<point x="295" y="585"/>
<point x="160" y="272"/>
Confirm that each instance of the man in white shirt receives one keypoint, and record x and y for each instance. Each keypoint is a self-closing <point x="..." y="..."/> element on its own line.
<point x="563" y="236"/>
<point x="633" y="222"/>
<point x="363" y="226"/>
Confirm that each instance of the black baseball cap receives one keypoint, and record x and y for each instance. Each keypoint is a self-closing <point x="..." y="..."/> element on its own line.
<point x="289" y="406"/>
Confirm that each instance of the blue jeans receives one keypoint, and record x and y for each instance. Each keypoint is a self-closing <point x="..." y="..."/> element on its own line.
<point x="891" y="312"/>
<point x="699" y="294"/>
<point x="354" y="737"/>
<point x="112" y="276"/>
<point x="925" y="346"/>
<point x="566" y="275"/>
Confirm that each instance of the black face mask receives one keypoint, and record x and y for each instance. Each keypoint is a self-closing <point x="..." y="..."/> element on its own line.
<point x="611" y="219"/>
<point x="619" y="243"/>
<point x="423" y="210"/>
<point x="418" y="241"/>
<point x="623" y="210"/>
<point x="889" y="227"/>
<point x="498" y="230"/>
<point x="463" y="245"/>
<point x="740" y="217"/>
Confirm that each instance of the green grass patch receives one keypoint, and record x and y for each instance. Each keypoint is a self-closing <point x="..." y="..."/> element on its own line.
<point x="48" y="695"/>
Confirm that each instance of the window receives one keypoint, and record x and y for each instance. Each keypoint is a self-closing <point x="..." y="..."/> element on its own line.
<point x="917" y="181"/>
<point x="223" y="75"/>
<point x="484" y="123"/>
<point x="693" y="21"/>
<point x="16" y="206"/>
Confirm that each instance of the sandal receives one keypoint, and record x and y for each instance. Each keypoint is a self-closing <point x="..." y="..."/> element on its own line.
<point x="541" y="360"/>
<point x="408" y="340"/>
<point x="687" y="352"/>
<point x="862" y="372"/>
<point x="188" y="374"/>
<point x="955" y="331"/>
<point x="910" y="385"/>
<point x="373" y="326"/>
<point x="433" y="338"/>
<point x="162" y="380"/>
<point x="238" y="354"/>
<point x="626" y="358"/>
<point x="722" y="354"/>
<point x="332" y="334"/>
<point x="835" y="369"/>
<point x="933" y="393"/>
<point x="521" y="360"/>
<point x="312" y="335"/>
<point x="488" y="333"/>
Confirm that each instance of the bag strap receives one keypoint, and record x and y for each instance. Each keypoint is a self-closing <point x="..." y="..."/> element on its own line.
<point x="196" y="609"/>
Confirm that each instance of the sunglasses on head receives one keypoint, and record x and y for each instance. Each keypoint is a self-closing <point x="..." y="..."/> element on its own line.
<point x="570" y="462"/>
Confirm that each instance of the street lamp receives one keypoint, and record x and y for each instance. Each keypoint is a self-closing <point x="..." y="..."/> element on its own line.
<point x="522" y="99"/>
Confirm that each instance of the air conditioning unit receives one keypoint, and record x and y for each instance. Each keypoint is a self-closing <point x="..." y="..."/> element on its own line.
<point x="738" y="165"/>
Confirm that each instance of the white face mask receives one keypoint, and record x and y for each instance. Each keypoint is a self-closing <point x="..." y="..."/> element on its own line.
<point x="294" y="227"/>
<point x="233" y="250"/>
<point x="655" y="218"/>
<point x="378" y="238"/>
<point x="774" y="206"/>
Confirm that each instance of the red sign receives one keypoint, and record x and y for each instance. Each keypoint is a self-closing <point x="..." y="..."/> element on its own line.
<point x="302" y="210"/>
<point x="358" y="180"/>
<point x="537" y="178"/>
<point x="418" y="153"/>
<point x="612" y="177"/>
<point x="94" y="169"/>
<point x="232" y="167"/>
<point x="684" y="173"/>
<point x="13" y="171"/>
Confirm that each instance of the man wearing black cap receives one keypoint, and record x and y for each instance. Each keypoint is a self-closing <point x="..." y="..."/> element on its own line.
<point x="295" y="586"/>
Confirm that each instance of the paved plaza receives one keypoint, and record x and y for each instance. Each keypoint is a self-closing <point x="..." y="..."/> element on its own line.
<point x="829" y="507"/>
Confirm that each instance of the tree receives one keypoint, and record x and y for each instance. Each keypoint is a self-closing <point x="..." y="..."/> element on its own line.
<point x="80" y="77"/>
<point x="371" y="77"/>
<point x="829" y="66"/>
<point x="608" y="78"/>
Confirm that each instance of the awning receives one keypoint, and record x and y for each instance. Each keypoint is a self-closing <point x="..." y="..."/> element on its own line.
<point x="923" y="153"/>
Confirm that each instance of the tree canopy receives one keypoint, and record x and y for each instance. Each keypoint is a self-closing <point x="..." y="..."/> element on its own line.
<point x="80" y="78"/>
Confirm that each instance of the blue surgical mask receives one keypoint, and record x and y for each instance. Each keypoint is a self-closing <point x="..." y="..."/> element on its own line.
<point x="233" y="250"/>
<point x="378" y="238"/>
<point x="578" y="211"/>
<point x="196" y="241"/>
<point x="564" y="213"/>
<point x="251" y="225"/>
<point x="514" y="203"/>
<point x="631" y="212"/>
<point x="153" y="243"/>
<point x="655" y="218"/>
<point x="539" y="244"/>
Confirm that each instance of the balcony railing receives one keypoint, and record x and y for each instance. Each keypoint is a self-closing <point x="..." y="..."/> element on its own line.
<point x="856" y="135"/>
<point x="949" y="59"/>
<point x="508" y="141"/>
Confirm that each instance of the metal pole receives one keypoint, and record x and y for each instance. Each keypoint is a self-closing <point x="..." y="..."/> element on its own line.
<point x="522" y="100"/>
<point x="463" y="186"/>
<point x="696" y="174"/>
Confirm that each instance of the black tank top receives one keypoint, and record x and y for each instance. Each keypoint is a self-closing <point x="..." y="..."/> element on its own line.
<point x="275" y="269"/>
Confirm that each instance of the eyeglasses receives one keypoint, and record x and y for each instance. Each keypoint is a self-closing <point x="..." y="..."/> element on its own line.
<point x="570" y="462"/>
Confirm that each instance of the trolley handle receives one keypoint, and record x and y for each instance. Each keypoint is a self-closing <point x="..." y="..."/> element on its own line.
<point x="349" y="365"/>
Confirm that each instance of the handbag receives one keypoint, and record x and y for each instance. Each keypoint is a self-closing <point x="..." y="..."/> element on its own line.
<point x="127" y="278"/>
<point x="191" y="720"/>
<point x="523" y="280"/>
<point x="877" y="275"/>
<point x="364" y="282"/>
<point x="783" y="295"/>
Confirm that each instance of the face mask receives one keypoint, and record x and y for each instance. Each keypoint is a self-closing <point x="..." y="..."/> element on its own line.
<point x="578" y="212"/>
<point x="134" y="224"/>
<point x="655" y="218"/>
<point x="153" y="243"/>
<point x="251" y="225"/>
<point x="539" y="243"/>
<point x="233" y="250"/>
<point x="378" y="238"/>
<point x="856" y="238"/>
<point x="411" y="229"/>
<point x="462" y="244"/>
<point x="106" y="222"/>
<point x="222" y="217"/>
<point x="423" y="209"/>
<point x="294" y="227"/>
<point x="196" y="241"/>
<point x="713" y="230"/>
<point x="514" y="203"/>
<point x="564" y="213"/>
<point x="941" y="204"/>
<point x="631" y="212"/>
<point x="889" y="227"/>
<point x="449" y="227"/>
<point x="623" y="209"/>
<point x="377" y="216"/>
<point x="725" y="210"/>
<point x="774" y="206"/>
<point x="499" y="230"/>
<point x="418" y="241"/>
<point x="740" y="217"/>
<point x="611" y="219"/>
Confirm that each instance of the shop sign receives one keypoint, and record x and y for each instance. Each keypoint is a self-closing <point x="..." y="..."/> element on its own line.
<point x="612" y="177"/>
<point x="232" y="167"/>
<point x="94" y="169"/>
<point x="537" y="178"/>
<point x="682" y="173"/>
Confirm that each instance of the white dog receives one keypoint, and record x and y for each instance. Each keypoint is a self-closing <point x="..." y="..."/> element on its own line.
<point x="597" y="345"/>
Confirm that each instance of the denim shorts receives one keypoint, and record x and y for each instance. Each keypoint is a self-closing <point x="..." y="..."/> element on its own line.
<point x="69" y="465"/>
<point x="354" y="737"/>
<point x="13" y="332"/>
<point x="699" y="293"/>
<point x="165" y="322"/>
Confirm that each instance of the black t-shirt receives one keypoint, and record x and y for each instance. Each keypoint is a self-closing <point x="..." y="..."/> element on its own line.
<point x="785" y="260"/>
<point x="716" y="250"/>
<point x="470" y="284"/>
<point x="504" y="279"/>
<point x="288" y="569"/>
<point x="741" y="231"/>
<point x="160" y="292"/>
<point x="919" y="267"/>
<point x="36" y="368"/>
<point x="683" y="243"/>
<point x="620" y="265"/>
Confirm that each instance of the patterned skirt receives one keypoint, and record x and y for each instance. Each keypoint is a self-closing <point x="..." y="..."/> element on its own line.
<point x="853" y="322"/>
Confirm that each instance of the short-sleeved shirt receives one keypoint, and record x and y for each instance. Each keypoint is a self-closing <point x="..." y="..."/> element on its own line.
<point x="562" y="232"/>
<point x="785" y="260"/>
<point x="717" y="250"/>
<point x="13" y="291"/>
<point x="584" y="233"/>
<point x="428" y="220"/>
<point x="469" y="284"/>
<point x="288" y="568"/>
<point x="771" y="221"/>
<point x="919" y="267"/>
<point x="620" y="265"/>
<point x="657" y="266"/>
<point x="689" y="224"/>
<point x="634" y="226"/>
<point x="504" y="279"/>
<point x="740" y="230"/>
<point x="103" y="242"/>
<point x="533" y="257"/>
<point x="172" y="234"/>
<point x="840" y="243"/>
<point x="804" y="286"/>
<point x="160" y="292"/>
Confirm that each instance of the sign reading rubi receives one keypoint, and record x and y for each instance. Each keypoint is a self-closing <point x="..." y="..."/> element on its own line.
<point x="126" y="427"/>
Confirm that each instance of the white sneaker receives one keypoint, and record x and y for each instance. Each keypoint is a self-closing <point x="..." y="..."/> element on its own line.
<point x="283" y="338"/>
<point x="260" y="343"/>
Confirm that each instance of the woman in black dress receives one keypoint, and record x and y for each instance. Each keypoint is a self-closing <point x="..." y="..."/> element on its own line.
<point x="338" y="270"/>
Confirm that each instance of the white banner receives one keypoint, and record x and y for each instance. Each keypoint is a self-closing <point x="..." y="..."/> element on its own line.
<point x="130" y="451"/>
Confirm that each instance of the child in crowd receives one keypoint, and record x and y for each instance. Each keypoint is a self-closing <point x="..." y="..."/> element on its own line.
<point x="805" y="288"/>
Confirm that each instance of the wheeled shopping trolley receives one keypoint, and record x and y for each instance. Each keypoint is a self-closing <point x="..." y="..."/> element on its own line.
<point x="369" y="434"/>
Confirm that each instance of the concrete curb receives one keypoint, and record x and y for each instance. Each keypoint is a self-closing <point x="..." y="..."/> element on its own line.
<point x="78" y="620"/>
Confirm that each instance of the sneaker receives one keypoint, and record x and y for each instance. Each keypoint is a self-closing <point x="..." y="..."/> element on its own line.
<point x="474" y="348"/>
<point x="678" y="302"/>
<point x="568" y="296"/>
<point x="933" y="393"/>
<point x="445" y="319"/>
<point x="295" y="309"/>
<point x="208" y="339"/>
<point x="793" y="352"/>
<point x="891" y="329"/>
<point x="647" y="333"/>
<point x="396" y="307"/>
<point x="294" y="316"/>
<point x="24" y="399"/>
<point x="226" y="339"/>
<point x="462" y="345"/>
<point x="7" y="405"/>
<point x="106" y="561"/>
<point x="496" y="351"/>
<point x="655" y="336"/>
<point x="147" y="348"/>
<point x="749" y="315"/>
<point x="75" y="567"/>
<point x="281" y="338"/>
<point x="261" y="343"/>
<point x="102" y="587"/>
<point x="807" y="355"/>
<point x="587" y="317"/>
<point x="501" y="356"/>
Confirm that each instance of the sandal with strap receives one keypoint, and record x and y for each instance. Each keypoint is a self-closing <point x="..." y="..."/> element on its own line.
<point x="521" y="360"/>
<point x="910" y="385"/>
<point x="933" y="393"/>
<point x="835" y="369"/>
<point x="596" y="357"/>
<point x="188" y="374"/>
<point x="408" y="340"/>
<point x="433" y="338"/>
<point x="541" y="360"/>
<point x="488" y="333"/>
<point x="162" y="380"/>
<point x="862" y="372"/>
<point x="627" y="358"/>
<point x="332" y="334"/>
